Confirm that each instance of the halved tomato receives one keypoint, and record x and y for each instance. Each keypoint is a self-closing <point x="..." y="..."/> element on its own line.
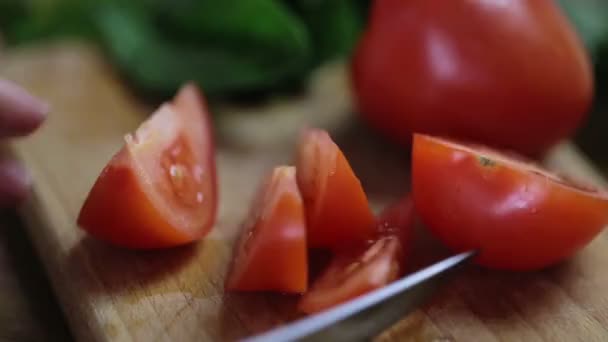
<point x="270" y="254"/>
<point x="517" y="215"/>
<point x="160" y="189"/>
<point x="337" y="210"/>
<point x="356" y="272"/>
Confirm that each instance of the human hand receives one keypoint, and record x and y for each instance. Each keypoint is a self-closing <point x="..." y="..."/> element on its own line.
<point x="20" y="114"/>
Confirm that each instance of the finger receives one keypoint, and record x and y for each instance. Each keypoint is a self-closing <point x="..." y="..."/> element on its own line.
<point x="20" y="112"/>
<point x="15" y="183"/>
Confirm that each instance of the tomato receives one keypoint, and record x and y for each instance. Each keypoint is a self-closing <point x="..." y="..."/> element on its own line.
<point x="337" y="210"/>
<point x="517" y="215"/>
<point x="159" y="190"/>
<point x="511" y="74"/>
<point x="352" y="273"/>
<point x="270" y="254"/>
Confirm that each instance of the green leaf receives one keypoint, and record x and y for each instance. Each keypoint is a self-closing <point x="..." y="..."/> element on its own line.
<point x="590" y="17"/>
<point x="10" y="12"/>
<point x="264" y="29"/>
<point x="49" y="19"/>
<point x="161" y="65"/>
<point x="335" y="25"/>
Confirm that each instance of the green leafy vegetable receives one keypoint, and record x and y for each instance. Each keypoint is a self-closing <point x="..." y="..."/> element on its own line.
<point x="335" y="25"/>
<point x="160" y="64"/>
<point x="228" y="46"/>
<point x="590" y="17"/>
<point x="50" y="19"/>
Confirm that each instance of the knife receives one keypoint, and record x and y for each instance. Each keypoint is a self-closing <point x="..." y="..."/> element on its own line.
<point x="368" y="315"/>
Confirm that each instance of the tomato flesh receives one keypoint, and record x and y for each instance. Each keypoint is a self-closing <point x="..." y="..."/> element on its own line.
<point x="337" y="209"/>
<point x="517" y="215"/>
<point x="271" y="254"/>
<point x="159" y="190"/>
<point x="185" y="181"/>
<point x="355" y="272"/>
<point x="351" y="274"/>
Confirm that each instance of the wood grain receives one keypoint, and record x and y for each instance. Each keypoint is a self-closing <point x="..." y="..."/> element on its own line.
<point x="110" y="294"/>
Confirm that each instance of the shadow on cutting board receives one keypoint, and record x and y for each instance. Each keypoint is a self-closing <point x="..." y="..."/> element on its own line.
<point x="475" y="298"/>
<point x="254" y="313"/>
<point x="259" y="312"/>
<point x="28" y="308"/>
<point x="122" y="268"/>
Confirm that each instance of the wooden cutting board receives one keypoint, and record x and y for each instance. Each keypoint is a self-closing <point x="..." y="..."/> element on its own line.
<point x="109" y="294"/>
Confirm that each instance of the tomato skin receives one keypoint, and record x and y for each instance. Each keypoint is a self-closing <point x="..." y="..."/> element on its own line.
<point x="354" y="272"/>
<point x="337" y="211"/>
<point x="271" y="253"/>
<point x="510" y="74"/>
<point x="517" y="217"/>
<point x="132" y="221"/>
<point x="132" y="204"/>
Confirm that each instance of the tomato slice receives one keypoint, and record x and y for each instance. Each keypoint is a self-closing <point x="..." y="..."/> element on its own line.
<point x="351" y="274"/>
<point x="356" y="272"/>
<point x="337" y="210"/>
<point x="160" y="189"/>
<point x="270" y="254"/>
<point x="517" y="215"/>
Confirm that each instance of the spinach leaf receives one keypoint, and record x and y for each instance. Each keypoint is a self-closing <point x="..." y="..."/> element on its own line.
<point x="590" y="17"/>
<point x="41" y="19"/>
<point x="335" y="25"/>
<point x="158" y="64"/>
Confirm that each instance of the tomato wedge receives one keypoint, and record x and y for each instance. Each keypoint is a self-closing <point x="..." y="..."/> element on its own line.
<point x="160" y="189"/>
<point x="517" y="215"/>
<point x="356" y="272"/>
<point x="337" y="210"/>
<point x="270" y="254"/>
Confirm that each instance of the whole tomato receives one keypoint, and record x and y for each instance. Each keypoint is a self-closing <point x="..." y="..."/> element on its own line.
<point x="508" y="73"/>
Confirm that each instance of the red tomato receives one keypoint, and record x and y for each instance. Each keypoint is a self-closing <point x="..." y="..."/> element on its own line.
<point x="509" y="73"/>
<point x="518" y="216"/>
<point x="352" y="274"/>
<point x="271" y="252"/>
<point x="159" y="190"/>
<point x="337" y="210"/>
<point x="356" y="272"/>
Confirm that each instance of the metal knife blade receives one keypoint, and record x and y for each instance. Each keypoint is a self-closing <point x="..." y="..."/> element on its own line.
<point x="367" y="316"/>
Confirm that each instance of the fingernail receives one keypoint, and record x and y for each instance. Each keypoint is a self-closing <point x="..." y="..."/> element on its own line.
<point x="20" y="112"/>
<point x="39" y="107"/>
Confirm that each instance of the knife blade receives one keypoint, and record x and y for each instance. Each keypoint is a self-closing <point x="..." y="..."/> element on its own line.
<point x="366" y="316"/>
